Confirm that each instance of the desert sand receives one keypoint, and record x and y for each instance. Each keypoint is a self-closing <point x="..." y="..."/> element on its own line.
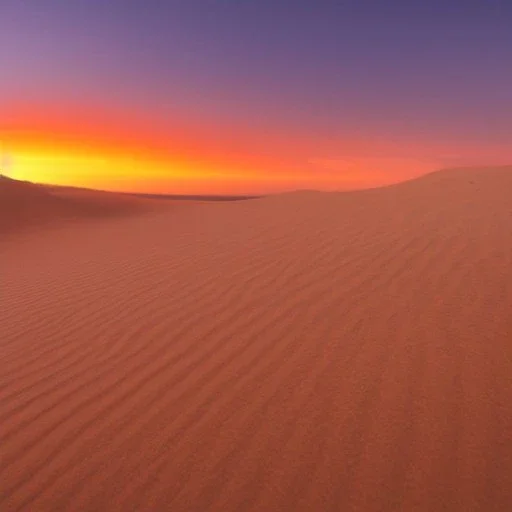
<point x="307" y="351"/>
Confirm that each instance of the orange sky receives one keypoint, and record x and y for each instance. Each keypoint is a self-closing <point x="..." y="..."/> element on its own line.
<point x="115" y="150"/>
<point x="251" y="97"/>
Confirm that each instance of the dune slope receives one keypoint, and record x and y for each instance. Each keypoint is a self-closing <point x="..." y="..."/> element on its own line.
<point x="309" y="351"/>
<point x="29" y="206"/>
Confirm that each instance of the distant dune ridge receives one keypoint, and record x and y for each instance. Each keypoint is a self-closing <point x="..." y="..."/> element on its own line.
<point x="307" y="351"/>
<point x="28" y="205"/>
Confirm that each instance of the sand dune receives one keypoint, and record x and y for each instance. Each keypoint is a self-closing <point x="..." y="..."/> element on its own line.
<point x="25" y="205"/>
<point x="302" y="352"/>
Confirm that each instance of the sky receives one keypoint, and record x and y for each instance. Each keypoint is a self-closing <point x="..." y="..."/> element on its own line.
<point x="251" y="96"/>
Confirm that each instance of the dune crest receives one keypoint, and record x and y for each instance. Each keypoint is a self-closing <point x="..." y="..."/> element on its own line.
<point x="308" y="351"/>
<point x="26" y="205"/>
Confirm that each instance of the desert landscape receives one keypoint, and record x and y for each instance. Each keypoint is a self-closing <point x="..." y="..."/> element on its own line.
<point x="304" y="351"/>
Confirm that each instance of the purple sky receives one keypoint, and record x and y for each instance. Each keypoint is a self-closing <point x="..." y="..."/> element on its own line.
<point x="425" y="70"/>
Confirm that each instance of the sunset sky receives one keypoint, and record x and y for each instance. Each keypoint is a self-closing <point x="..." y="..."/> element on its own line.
<point x="251" y="96"/>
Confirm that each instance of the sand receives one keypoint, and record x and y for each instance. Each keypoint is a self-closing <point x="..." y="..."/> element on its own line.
<point x="301" y="352"/>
